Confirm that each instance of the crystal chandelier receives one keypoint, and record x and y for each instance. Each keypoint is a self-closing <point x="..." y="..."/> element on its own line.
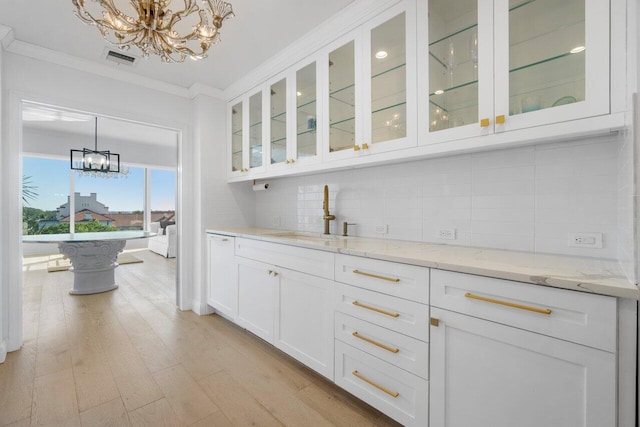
<point x="154" y="28"/>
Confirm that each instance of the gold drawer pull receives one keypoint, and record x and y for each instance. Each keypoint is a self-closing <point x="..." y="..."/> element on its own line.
<point x="393" y="394"/>
<point x="375" y="276"/>
<point x="500" y="119"/>
<point x="356" y="148"/>
<point x="509" y="304"/>
<point x="376" y="343"/>
<point x="484" y="123"/>
<point x="378" y="310"/>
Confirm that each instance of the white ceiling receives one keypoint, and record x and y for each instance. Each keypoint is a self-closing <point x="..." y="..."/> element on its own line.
<point x="259" y="30"/>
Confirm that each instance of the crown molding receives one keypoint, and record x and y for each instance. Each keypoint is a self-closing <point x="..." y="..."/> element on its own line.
<point x="352" y="16"/>
<point x="6" y="36"/>
<point x="29" y="50"/>
<point x="203" y="89"/>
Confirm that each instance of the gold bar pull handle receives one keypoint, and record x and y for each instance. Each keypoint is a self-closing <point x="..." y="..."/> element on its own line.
<point x="376" y="309"/>
<point x="500" y="119"/>
<point x="484" y="123"/>
<point x="376" y="343"/>
<point x="393" y="394"/>
<point x="375" y="276"/>
<point x="545" y="311"/>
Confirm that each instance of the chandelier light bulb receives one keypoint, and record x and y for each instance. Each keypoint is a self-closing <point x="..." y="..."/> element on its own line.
<point x="154" y="30"/>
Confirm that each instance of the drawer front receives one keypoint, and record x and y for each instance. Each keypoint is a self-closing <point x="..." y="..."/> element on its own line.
<point x="399" y="394"/>
<point x="401" y="280"/>
<point x="400" y="350"/>
<point x="407" y="317"/>
<point x="316" y="263"/>
<point x="569" y="315"/>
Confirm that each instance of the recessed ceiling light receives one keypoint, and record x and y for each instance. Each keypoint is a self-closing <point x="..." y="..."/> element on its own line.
<point x="381" y="54"/>
<point x="438" y="92"/>
<point x="577" y="49"/>
<point x="299" y="93"/>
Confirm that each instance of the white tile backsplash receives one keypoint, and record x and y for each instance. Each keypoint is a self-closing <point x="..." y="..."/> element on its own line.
<point x="526" y="198"/>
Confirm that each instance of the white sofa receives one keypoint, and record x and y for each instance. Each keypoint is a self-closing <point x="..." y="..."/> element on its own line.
<point x="164" y="244"/>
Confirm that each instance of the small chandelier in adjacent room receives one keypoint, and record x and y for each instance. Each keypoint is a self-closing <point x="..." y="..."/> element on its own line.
<point x="94" y="161"/>
<point x="154" y="28"/>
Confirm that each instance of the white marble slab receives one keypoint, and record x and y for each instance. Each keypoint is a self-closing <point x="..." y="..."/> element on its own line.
<point x="599" y="276"/>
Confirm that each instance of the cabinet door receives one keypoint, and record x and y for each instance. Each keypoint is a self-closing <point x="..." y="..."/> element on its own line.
<point x="256" y="297"/>
<point x="485" y="374"/>
<point x="304" y="324"/>
<point x="223" y="284"/>
<point x="278" y="123"/>
<point x="343" y="92"/>
<point x="307" y="102"/>
<point x="236" y="139"/>
<point x="456" y="56"/>
<point x="255" y="132"/>
<point x="389" y="96"/>
<point x="551" y="61"/>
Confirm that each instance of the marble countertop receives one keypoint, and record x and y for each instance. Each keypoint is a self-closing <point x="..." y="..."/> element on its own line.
<point x="598" y="276"/>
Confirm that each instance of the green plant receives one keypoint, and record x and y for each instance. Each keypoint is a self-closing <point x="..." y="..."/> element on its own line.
<point x="28" y="189"/>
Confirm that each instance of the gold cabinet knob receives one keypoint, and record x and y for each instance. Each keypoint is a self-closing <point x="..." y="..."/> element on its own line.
<point x="365" y="146"/>
<point x="500" y="119"/>
<point x="287" y="161"/>
<point x="484" y="123"/>
<point x="356" y="148"/>
<point x="434" y="321"/>
<point x="293" y="160"/>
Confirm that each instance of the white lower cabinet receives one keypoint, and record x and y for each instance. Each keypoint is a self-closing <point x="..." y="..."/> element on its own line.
<point x="394" y="391"/>
<point x="222" y="282"/>
<point x="486" y="374"/>
<point x="304" y="324"/>
<point x="257" y="285"/>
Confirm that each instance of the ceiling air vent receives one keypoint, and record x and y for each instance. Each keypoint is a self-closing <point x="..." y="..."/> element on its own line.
<point x="119" y="57"/>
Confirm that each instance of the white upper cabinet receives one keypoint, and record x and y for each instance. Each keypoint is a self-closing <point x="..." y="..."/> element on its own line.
<point x="370" y="87"/>
<point x="491" y="67"/>
<point x="247" y="140"/>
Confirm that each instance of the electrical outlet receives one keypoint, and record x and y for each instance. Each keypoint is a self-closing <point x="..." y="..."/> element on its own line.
<point x="276" y="221"/>
<point x="447" y="234"/>
<point x="585" y="240"/>
<point x="382" y="229"/>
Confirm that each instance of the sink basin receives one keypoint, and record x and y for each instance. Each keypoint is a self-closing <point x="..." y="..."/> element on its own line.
<point x="306" y="236"/>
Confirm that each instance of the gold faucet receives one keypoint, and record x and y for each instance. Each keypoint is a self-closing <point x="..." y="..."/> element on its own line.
<point x="325" y="205"/>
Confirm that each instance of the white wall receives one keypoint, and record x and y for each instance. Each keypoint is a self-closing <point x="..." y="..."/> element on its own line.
<point x="4" y="290"/>
<point x="222" y="205"/>
<point x="34" y="80"/>
<point x="526" y="198"/>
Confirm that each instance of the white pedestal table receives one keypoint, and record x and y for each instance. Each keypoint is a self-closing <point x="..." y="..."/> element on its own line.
<point x="93" y="256"/>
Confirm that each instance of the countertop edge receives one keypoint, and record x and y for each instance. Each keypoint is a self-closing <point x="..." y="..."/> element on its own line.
<point x="626" y="290"/>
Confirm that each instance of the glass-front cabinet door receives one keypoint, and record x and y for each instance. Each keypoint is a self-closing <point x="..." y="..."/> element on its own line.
<point x="278" y="122"/>
<point x="247" y="140"/>
<point x="490" y="67"/>
<point x="236" y="143"/>
<point x="343" y="94"/>
<point x="256" y="158"/>
<point x="306" y="147"/>
<point x="552" y="61"/>
<point x="389" y="91"/>
<point x="372" y="86"/>
<point x="457" y="65"/>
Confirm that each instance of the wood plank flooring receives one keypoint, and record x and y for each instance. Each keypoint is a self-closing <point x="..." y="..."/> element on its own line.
<point x="129" y="358"/>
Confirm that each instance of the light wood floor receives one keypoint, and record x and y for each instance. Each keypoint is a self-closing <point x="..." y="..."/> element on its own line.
<point x="129" y="357"/>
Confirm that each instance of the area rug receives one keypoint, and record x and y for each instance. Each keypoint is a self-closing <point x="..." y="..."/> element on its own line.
<point x="61" y="264"/>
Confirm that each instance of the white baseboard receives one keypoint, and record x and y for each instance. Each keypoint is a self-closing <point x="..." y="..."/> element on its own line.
<point x="3" y="351"/>
<point x="201" y="308"/>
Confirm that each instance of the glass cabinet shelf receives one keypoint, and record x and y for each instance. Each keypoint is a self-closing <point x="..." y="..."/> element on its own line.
<point x="279" y="117"/>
